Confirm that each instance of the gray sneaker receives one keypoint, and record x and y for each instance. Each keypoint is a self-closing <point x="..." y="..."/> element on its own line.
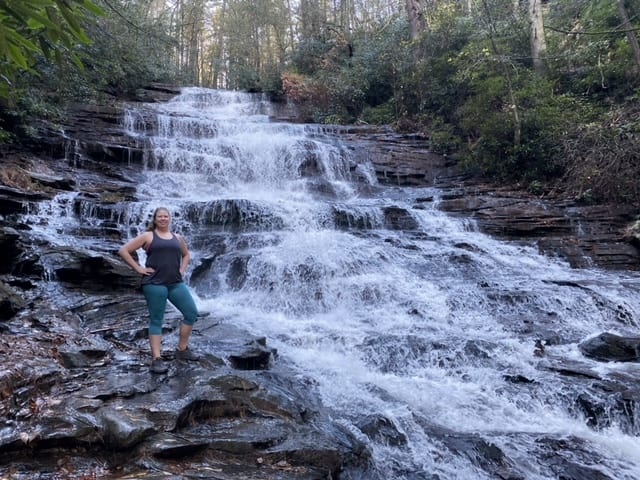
<point x="158" y="366"/>
<point x="187" y="355"/>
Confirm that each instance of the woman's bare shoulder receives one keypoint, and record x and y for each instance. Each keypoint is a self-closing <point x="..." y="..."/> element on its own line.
<point x="143" y="240"/>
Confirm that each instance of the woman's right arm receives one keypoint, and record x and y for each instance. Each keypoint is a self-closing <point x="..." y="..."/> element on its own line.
<point x="126" y="251"/>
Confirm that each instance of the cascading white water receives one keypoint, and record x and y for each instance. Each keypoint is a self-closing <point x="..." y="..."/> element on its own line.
<point x="421" y="326"/>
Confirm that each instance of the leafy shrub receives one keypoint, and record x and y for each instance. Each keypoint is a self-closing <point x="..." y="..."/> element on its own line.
<point x="379" y="115"/>
<point x="488" y="122"/>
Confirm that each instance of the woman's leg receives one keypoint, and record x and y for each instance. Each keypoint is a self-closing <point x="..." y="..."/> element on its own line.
<point x="180" y="296"/>
<point x="156" y="296"/>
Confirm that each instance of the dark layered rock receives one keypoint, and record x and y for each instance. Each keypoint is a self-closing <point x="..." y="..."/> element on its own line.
<point x="13" y="200"/>
<point x="89" y="270"/>
<point x="609" y="347"/>
<point x="400" y="159"/>
<point x="585" y="235"/>
<point x="381" y="429"/>
<point x="255" y="356"/>
<point x="156" y="92"/>
<point x="10" y="301"/>
<point x="95" y="133"/>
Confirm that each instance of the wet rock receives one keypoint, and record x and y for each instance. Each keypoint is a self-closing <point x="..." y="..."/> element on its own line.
<point x="569" y="368"/>
<point x="481" y="452"/>
<point x="348" y="219"/>
<point x="124" y="428"/>
<point x="605" y="400"/>
<point x="10" y="242"/>
<point x="399" y="159"/>
<point x="195" y="415"/>
<point x="612" y="348"/>
<point x="31" y="369"/>
<point x="396" y="218"/>
<point x="233" y="215"/>
<point x="13" y="200"/>
<point x="256" y="356"/>
<point x="167" y="445"/>
<point x="58" y="183"/>
<point x="89" y="270"/>
<point x="91" y="133"/>
<point x="20" y="258"/>
<point x="382" y="430"/>
<point x="156" y="92"/>
<point x="584" y="235"/>
<point x="237" y="273"/>
<point x="10" y="302"/>
<point x="632" y="234"/>
<point x="579" y="465"/>
<point x="92" y="354"/>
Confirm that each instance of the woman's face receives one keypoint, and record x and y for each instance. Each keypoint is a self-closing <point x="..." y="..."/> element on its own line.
<point x="162" y="218"/>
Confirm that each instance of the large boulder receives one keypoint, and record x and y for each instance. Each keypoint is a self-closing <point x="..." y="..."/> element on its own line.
<point x="609" y="347"/>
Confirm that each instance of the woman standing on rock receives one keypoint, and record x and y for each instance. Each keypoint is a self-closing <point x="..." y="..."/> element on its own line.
<point x="167" y="260"/>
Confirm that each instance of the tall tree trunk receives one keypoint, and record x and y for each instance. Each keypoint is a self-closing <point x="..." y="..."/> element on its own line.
<point x="216" y="63"/>
<point x="631" y="34"/>
<point x="538" y="42"/>
<point x="415" y="12"/>
<point x="310" y="19"/>
<point x="292" y="36"/>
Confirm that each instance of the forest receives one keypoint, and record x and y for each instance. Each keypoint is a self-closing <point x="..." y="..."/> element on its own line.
<point x="538" y="94"/>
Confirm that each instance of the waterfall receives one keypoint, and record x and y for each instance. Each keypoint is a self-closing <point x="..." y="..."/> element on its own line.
<point x="419" y="332"/>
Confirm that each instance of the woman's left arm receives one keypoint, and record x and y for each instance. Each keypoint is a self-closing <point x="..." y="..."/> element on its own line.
<point x="186" y="256"/>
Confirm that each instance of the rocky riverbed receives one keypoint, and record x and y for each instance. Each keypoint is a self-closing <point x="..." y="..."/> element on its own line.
<point x="76" y="396"/>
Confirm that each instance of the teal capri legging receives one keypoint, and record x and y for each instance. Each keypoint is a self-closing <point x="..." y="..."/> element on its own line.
<point x="178" y="294"/>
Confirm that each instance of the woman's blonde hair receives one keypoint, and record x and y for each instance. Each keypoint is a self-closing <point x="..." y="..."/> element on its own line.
<point x="152" y="223"/>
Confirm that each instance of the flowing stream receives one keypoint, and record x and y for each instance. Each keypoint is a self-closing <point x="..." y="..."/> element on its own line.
<point x="420" y="333"/>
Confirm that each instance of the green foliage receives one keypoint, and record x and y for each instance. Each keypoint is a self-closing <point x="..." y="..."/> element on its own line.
<point x="307" y="57"/>
<point x="384" y="114"/>
<point x="377" y="61"/>
<point x="16" y="120"/>
<point x="601" y="159"/>
<point x="33" y="28"/>
<point x="122" y="56"/>
<point x="589" y="53"/>
<point x="126" y="55"/>
<point x="244" y="77"/>
<point x="443" y="137"/>
<point x="357" y="75"/>
<point x="488" y="122"/>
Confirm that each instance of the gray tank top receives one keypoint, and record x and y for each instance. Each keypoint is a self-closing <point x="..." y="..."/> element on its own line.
<point x="164" y="256"/>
